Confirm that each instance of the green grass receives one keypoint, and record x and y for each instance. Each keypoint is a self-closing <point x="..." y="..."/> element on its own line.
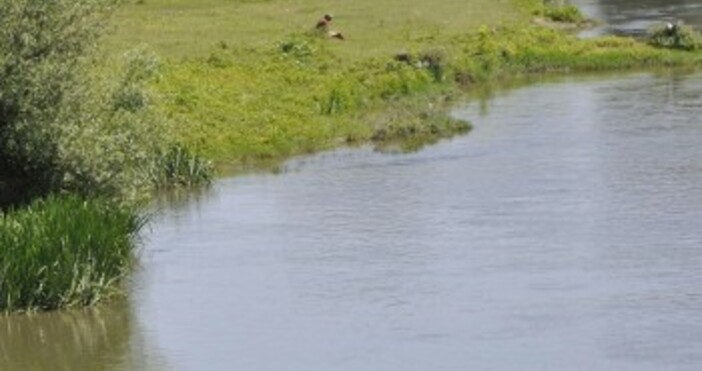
<point x="190" y="28"/>
<point x="244" y="104"/>
<point x="244" y="80"/>
<point x="64" y="251"/>
<point x="559" y="11"/>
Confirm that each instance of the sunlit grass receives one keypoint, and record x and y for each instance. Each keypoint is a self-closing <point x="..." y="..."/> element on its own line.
<point x="242" y="104"/>
<point x="190" y="28"/>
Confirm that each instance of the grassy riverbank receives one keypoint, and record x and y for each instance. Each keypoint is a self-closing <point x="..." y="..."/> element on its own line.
<point x="234" y="82"/>
<point x="254" y="84"/>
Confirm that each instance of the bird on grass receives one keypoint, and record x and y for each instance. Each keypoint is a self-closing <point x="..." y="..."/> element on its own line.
<point x="323" y="26"/>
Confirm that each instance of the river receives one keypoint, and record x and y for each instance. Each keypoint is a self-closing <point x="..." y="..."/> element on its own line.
<point x="563" y="233"/>
<point x="636" y="17"/>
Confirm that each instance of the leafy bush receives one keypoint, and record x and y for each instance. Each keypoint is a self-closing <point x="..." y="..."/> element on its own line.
<point x="64" y="251"/>
<point x="42" y="45"/>
<point x="66" y="124"/>
<point x="113" y="142"/>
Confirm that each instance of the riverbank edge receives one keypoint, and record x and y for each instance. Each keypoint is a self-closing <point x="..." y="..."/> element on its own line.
<point x="244" y="107"/>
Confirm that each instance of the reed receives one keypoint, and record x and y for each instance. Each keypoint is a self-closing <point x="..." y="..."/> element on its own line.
<point x="64" y="251"/>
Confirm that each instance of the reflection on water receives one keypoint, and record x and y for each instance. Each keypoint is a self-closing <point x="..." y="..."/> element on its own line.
<point x="635" y="17"/>
<point x="87" y="340"/>
<point x="90" y="340"/>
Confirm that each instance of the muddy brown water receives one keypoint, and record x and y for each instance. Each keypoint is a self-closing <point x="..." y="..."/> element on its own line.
<point x="563" y="233"/>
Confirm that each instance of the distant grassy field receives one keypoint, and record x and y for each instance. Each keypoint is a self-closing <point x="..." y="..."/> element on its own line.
<point x="190" y="28"/>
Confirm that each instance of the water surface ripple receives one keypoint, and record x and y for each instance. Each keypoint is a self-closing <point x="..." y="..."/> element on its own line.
<point x="562" y="234"/>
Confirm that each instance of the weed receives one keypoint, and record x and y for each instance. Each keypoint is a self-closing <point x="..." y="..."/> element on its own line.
<point x="559" y="11"/>
<point x="178" y="166"/>
<point x="64" y="251"/>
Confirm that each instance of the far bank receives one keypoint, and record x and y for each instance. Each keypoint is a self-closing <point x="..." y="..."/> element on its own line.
<point x="242" y="95"/>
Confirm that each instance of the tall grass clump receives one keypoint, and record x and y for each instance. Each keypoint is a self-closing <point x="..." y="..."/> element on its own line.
<point x="178" y="166"/>
<point x="64" y="251"/>
<point x="675" y="36"/>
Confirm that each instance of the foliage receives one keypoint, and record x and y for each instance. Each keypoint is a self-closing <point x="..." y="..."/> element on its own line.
<point x="412" y="124"/>
<point x="555" y="10"/>
<point x="274" y="103"/>
<point x="64" y="251"/>
<point x="107" y="139"/>
<point x="298" y="96"/>
<point x="113" y="141"/>
<point x="262" y="95"/>
<point x="186" y="29"/>
<point x="42" y="43"/>
<point x="675" y="36"/>
<point x="68" y="121"/>
<point x="178" y="166"/>
<point x="71" y="123"/>
<point x="300" y="48"/>
<point x="566" y="13"/>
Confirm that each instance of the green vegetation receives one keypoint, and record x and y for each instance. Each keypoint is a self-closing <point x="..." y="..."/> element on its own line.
<point x="560" y="11"/>
<point x="298" y="96"/>
<point x="188" y="29"/>
<point x="64" y="125"/>
<point x="675" y="36"/>
<point x="64" y="251"/>
<point x="41" y="46"/>
<point x="256" y="84"/>
<point x="242" y="81"/>
<point x="71" y="124"/>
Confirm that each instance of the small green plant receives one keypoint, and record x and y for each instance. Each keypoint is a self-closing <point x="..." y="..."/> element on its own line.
<point x="675" y="36"/>
<point x="434" y="60"/>
<point x="300" y="48"/>
<point x="178" y="166"/>
<point x="64" y="251"/>
<point x="560" y="11"/>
